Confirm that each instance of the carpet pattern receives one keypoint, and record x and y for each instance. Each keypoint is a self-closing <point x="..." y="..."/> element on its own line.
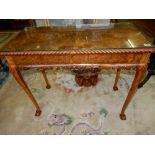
<point x="72" y="110"/>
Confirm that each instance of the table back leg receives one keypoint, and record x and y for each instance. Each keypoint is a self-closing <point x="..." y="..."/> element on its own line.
<point x="48" y="86"/>
<point x="115" y="88"/>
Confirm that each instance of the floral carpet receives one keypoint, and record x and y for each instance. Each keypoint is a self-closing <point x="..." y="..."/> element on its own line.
<point x="68" y="109"/>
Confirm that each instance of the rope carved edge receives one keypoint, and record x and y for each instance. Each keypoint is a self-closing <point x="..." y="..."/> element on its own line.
<point x="83" y="52"/>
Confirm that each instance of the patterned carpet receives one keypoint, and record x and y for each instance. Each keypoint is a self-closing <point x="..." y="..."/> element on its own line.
<point x="72" y="110"/>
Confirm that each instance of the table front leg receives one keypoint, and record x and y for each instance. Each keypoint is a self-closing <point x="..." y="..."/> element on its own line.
<point x="140" y="71"/>
<point x="17" y="75"/>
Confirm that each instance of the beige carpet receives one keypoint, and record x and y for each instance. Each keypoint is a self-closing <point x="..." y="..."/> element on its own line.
<point x="69" y="109"/>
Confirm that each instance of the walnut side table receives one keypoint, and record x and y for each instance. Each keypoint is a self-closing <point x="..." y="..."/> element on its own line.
<point x="122" y="46"/>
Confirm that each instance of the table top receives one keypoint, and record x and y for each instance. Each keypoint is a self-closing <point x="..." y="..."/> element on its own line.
<point x="119" y="36"/>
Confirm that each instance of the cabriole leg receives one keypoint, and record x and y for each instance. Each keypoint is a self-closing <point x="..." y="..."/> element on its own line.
<point x="48" y="86"/>
<point x="17" y="75"/>
<point x="138" y="76"/>
<point x="115" y="88"/>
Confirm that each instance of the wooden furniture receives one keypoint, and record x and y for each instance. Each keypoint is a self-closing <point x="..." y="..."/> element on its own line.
<point x="120" y="46"/>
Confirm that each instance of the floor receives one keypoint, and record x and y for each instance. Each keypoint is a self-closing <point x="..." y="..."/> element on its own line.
<point x="70" y="109"/>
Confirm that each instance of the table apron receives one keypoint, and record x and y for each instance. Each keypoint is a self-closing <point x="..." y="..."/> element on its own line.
<point x="116" y="58"/>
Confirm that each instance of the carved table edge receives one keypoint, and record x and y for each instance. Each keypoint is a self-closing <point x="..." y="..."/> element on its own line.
<point x="73" y="52"/>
